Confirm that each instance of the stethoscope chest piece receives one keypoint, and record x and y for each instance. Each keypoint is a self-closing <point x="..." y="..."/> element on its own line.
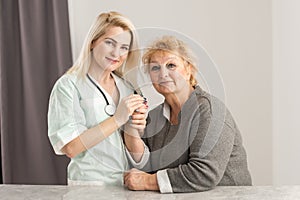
<point x="110" y="109"/>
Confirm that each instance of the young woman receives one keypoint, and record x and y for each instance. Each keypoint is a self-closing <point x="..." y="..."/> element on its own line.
<point x="193" y="140"/>
<point x="90" y="103"/>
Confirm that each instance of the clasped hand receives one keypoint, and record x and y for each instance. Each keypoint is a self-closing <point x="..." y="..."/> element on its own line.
<point x="135" y="179"/>
<point x="127" y="107"/>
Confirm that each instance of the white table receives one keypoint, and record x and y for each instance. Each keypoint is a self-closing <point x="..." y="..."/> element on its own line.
<point x="47" y="192"/>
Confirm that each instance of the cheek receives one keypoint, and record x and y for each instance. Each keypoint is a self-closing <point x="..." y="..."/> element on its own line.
<point x="98" y="52"/>
<point x="123" y="57"/>
<point x="153" y="78"/>
<point x="181" y="74"/>
<point x="100" y="48"/>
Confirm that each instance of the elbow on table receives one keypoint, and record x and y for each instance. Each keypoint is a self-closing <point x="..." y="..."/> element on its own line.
<point x="211" y="181"/>
<point x="196" y="184"/>
<point x="206" y="183"/>
<point x="196" y="187"/>
<point x="205" y="186"/>
<point x="208" y="186"/>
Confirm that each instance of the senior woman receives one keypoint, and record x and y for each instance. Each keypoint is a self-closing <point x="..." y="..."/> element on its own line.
<point x="194" y="143"/>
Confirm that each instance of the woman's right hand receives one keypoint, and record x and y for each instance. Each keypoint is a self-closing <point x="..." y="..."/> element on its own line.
<point x="126" y="108"/>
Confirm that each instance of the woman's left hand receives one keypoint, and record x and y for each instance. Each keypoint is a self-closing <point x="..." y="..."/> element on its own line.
<point x="138" y="180"/>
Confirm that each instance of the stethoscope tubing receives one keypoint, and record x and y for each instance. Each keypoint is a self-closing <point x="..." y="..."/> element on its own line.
<point x="109" y="109"/>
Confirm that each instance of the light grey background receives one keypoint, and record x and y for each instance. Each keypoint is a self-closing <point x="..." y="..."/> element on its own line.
<point x="256" y="45"/>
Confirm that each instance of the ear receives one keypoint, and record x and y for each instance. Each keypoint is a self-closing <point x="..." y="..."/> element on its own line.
<point x="188" y="69"/>
<point x="92" y="45"/>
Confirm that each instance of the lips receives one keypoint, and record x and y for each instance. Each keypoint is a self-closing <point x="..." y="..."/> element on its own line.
<point x="165" y="82"/>
<point x="112" y="60"/>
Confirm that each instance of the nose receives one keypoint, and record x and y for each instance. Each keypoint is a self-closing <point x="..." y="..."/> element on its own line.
<point x="163" y="72"/>
<point x="115" y="52"/>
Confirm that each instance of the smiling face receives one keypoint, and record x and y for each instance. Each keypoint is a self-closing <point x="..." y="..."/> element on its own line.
<point x="169" y="73"/>
<point x="111" y="50"/>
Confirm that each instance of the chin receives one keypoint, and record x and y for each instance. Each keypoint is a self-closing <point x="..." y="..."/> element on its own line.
<point x="112" y="67"/>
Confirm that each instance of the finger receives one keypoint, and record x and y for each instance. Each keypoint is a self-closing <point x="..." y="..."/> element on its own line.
<point x="133" y="170"/>
<point x="138" y="116"/>
<point x="126" y="173"/>
<point x="130" y="99"/>
<point x="137" y="122"/>
<point x="145" y="106"/>
<point x="133" y="106"/>
<point x="124" y="181"/>
<point x="135" y="100"/>
<point x="134" y="97"/>
<point x="141" y="110"/>
<point x="130" y="109"/>
<point x="137" y="126"/>
<point x="140" y="127"/>
<point x="130" y="103"/>
<point x="126" y="177"/>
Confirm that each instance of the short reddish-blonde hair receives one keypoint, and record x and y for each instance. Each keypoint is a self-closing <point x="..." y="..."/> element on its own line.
<point x="174" y="46"/>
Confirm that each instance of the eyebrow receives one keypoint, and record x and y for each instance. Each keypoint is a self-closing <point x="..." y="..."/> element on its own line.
<point x="115" y="41"/>
<point x="169" y="58"/>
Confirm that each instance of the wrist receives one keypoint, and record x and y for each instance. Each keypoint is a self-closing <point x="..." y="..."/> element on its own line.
<point x="129" y="130"/>
<point x="134" y="144"/>
<point x="117" y="123"/>
<point x="152" y="183"/>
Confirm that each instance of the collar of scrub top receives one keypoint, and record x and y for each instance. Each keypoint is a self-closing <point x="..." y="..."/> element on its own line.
<point x="109" y="109"/>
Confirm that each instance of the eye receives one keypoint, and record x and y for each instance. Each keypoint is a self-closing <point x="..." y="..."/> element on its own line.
<point x="125" y="48"/>
<point x="154" y="68"/>
<point x="109" y="43"/>
<point x="171" y="66"/>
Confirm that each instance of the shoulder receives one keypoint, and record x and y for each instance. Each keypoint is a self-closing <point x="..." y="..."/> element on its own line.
<point x="217" y="108"/>
<point x="200" y="102"/>
<point x="207" y="104"/>
<point x="66" y="80"/>
<point x="67" y="83"/>
<point x="206" y="100"/>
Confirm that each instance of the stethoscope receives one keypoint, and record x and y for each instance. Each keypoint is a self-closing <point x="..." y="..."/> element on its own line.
<point x="109" y="108"/>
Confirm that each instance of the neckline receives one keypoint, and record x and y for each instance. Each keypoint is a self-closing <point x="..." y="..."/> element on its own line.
<point x="107" y="97"/>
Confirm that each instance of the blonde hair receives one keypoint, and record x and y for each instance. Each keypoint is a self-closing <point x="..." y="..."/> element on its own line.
<point x="175" y="46"/>
<point x="103" y="22"/>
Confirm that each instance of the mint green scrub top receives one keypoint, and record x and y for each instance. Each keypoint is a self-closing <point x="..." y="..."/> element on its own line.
<point x="74" y="106"/>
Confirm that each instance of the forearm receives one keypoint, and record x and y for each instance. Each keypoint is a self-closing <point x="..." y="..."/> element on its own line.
<point x="134" y="144"/>
<point x="202" y="173"/>
<point x="90" y="137"/>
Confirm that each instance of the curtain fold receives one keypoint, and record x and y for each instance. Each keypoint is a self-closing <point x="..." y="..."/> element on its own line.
<point x="35" y="51"/>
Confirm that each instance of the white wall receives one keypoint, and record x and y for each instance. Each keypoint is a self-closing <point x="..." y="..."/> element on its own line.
<point x="238" y="36"/>
<point x="286" y="92"/>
